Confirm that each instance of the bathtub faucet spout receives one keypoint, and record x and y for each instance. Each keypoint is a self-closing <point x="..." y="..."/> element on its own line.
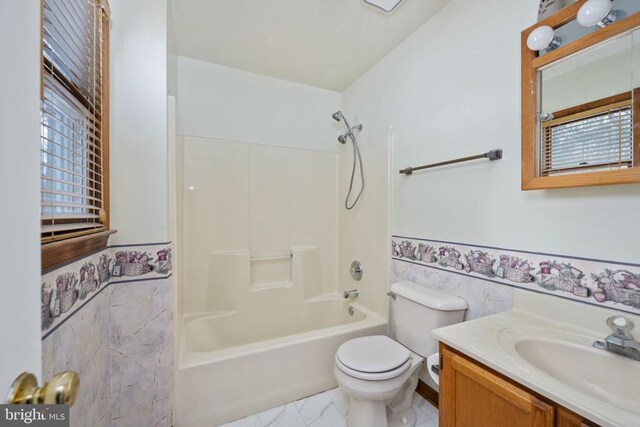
<point x="351" y="294"/>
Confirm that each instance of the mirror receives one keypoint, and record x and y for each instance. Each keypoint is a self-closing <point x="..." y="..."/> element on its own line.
<point x="585" y="110"/>
<point x="581" y="100"/>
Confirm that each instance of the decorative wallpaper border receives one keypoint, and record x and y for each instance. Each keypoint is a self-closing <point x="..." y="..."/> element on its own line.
<point x="68" y="288"/>
<point x="609" y="284"/>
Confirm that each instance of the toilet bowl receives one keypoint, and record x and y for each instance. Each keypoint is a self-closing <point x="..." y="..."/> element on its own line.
<point x="380" y="374"/>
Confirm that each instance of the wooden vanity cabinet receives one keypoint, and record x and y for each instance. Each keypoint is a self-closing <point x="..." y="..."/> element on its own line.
<point x="474" y="395"/>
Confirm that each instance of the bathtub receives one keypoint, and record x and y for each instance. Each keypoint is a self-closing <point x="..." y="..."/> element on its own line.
<point x="237" y="363"/>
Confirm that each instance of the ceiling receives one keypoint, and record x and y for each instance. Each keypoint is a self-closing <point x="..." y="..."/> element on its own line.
<point x="323" y="43"/>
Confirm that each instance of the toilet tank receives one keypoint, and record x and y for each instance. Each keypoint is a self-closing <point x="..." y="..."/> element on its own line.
<point x="416" y="310"/>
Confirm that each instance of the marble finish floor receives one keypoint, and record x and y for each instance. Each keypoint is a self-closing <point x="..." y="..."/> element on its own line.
<point x="328" y="409"/>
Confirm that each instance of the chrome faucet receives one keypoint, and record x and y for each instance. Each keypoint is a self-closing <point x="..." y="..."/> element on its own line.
<point x="351" y="294"/>
<point x="620" y="341"/>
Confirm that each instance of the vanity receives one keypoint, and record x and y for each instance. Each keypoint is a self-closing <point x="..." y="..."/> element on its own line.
<point x="532" y="366"/>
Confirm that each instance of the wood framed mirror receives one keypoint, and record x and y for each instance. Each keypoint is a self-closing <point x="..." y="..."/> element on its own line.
<point x="581" y="98"/>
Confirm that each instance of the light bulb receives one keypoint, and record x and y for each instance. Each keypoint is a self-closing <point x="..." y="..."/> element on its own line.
<point x="596" y="12"/>
<point x="543" y="38"/>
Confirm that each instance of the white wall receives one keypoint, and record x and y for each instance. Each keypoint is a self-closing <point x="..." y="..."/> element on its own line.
<point x="172" y="54"/>
<point x="225" y="103"/>
<point x="138" y="144"/>
<point x="453" y="89"/>
<point x="20" y="193"/>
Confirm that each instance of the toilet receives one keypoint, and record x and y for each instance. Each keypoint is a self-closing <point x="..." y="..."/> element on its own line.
<point x="380" y="374"/>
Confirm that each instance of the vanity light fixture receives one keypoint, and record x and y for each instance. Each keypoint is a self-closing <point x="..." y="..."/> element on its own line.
<point x="543" y="38"/>
<point x="384" y="6"/>
<point x="597" y="12"/>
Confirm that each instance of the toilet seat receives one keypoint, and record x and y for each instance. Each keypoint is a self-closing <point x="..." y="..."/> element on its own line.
<point x="375" y="376"/>
<point x="373" y="358"/>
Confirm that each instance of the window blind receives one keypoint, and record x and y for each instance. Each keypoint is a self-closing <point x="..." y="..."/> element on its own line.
<point x="72" y="164"/>
<point x="597" y="139"/>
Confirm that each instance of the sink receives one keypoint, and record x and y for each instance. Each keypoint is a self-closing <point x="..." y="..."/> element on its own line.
<point x="571" y="360"/>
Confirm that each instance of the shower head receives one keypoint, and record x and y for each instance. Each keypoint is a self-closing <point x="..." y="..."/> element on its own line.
<point x="337" y="116"/>
<point x="343" y="138"/>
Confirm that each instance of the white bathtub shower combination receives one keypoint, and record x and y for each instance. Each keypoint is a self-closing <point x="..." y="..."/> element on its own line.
<point x="233" y="364"/>
<point x="261" y="310"/>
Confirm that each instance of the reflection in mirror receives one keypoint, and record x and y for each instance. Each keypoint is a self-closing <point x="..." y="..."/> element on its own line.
<point x="585" y="109"/>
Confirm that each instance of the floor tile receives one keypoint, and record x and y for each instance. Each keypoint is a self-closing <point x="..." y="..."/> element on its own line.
<point x="313" y="407"/>
<point x="283" y="416"/>
<point x="429" y="423"/>
<point x="327" y="409"/>
<point x="331" y="417"/>
<point x="252" y="421"/>
<point x="421" y="416"/>
<point x="430" y="410"/>
<point x="340" y="399"/>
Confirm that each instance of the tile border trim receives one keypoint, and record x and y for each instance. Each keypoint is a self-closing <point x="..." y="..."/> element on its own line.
<point x="629" y="264"/>
<point x="71" y="261"/>
<point x="607" y="284"/>
<point x="63" y="321"/>
<point x="68" y="288"/>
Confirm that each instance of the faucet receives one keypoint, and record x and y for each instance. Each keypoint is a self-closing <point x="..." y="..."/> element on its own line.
<point x="620" y="341"/>
<point x="352" y="293"/>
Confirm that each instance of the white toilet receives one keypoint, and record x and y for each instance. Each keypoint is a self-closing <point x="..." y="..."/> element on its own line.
<point x="380" y="374"/>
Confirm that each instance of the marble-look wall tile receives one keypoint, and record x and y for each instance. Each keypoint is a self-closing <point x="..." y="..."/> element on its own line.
<point x="81" y="344"/>
<point x="141" y="354"/>
<point x="482" y="297"/>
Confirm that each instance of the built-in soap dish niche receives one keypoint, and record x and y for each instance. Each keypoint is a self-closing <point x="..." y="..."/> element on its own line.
<point x="271" y="271"/>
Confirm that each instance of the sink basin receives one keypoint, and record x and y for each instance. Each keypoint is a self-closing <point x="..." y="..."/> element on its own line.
<point x="604" y="375"/>
<point x="572" y="360"/>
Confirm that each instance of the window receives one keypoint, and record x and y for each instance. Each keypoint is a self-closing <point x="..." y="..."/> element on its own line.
<point x="74" y="127"/>
<point x="598" y="136"/>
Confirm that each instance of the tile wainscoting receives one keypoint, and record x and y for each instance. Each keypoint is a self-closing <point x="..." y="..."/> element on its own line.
<point x="141" y="354"/>
<point x="484" y="271"/>
<point x="82" y="345"/>
<point x="116" y="332"/>
<point x="483" y="298"/>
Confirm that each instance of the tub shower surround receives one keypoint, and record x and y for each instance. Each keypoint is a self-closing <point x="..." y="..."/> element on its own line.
<point x="610" y="284"/>
<point x="66" y="289"/>
<point x="116" y="332"/>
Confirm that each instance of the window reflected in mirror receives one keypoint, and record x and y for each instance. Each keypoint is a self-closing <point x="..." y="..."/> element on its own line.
<point x="585" y="114"/>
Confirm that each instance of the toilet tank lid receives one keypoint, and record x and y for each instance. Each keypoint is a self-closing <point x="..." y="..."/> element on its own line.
<point x="428" y="297"/>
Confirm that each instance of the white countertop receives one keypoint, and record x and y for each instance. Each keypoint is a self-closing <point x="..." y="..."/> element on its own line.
<point x="480" y="339"/>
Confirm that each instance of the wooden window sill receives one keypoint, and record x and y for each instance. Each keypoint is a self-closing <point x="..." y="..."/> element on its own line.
<point x="56" y="253"/>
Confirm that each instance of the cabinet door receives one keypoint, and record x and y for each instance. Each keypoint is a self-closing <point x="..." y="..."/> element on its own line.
<point x="566" y="418"/>
<point x="472" y="396"/>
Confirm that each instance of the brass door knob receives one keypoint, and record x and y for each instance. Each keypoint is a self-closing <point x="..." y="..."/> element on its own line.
<point x="61" y="389"/>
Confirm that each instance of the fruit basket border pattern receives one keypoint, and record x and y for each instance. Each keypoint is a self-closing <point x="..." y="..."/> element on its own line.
<point x="602" y="283"/>
<point x="68" y="288"/>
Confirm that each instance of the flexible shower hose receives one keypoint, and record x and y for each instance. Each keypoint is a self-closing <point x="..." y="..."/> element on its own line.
<point x="357" y="158"/>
